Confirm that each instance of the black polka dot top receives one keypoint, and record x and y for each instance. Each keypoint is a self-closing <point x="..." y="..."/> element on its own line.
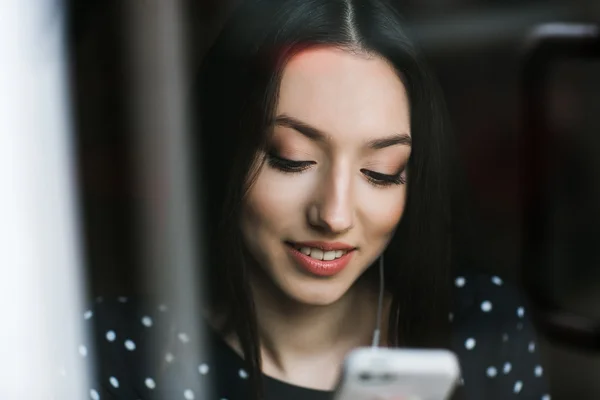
<point x="140" y="352"/>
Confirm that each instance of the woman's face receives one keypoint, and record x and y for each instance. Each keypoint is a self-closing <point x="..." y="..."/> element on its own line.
<point x="332" y="191"/>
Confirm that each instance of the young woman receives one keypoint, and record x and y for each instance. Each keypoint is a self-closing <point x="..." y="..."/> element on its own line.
<point x="325" y="151"/>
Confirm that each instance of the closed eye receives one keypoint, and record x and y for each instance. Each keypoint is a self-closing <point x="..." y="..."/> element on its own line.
<point x="379" y="179"/>
<point x="285" y="165"/>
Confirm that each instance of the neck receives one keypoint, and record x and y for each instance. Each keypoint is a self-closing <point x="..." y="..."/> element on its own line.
<point x="296" y="337"/>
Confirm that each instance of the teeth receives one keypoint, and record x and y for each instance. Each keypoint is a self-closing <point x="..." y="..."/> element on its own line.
<point x="316" y="253"/>
<point x="320" y="254"/>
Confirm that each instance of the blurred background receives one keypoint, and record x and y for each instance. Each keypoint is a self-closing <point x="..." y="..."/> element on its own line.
<point x="476" y="50"/>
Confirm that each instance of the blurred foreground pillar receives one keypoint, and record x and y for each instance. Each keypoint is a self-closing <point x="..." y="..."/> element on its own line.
<point x="41" y="275"/>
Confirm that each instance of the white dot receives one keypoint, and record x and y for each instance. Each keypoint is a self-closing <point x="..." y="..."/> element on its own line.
<point x="507" y="368"/>
<point x="169" y="357"/>
<point x="147" y="321"/>
<point x="460" y="281"/>
<point x="520" y="326"/>
<point x="518" y="386"/>
<point x="496" y="280"/>
<point x="203" y="369"/>
<point x="88" y="314"/>
<point x="461" y="381"/>
<point x="531" y="347"/>
<point x="111" y="336"/>
<point x="183" y="337"/>
<point x="188" y="394"/>
<point x="505" y="337"/>
<point x="129" y="345"/>
<point x="243" y="374"/>
<point x="520" y="312"/>
<point x="486" y="306"/>
<point x="546" y="397"/>
<point x="150" y="384"/>
<point x="470" y="343"/>
<point x="114" y="381"/>
<point x="83" y="350"/>
<point x="450" y="317"/>
<point x="162" y="308"/>
<point x="122" y="299"/>
<point x="94" y="395"/>
<point x="62" y="372"/>
<point x="538" y="371"/>
<point x="491" y="372"/>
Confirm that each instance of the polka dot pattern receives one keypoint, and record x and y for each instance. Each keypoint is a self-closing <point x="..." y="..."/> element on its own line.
<point x="94" y="395"/>
<point x="203" y="369"/>
<point x="114" y="382"/>
<point x="531" y="347"/>
<point x="486" y="306"/>
<point x="518" y="386"/>
<point x="470" y="343"/>
<point x="183" y="337"/>
<point x="130" y="345"/>
<point x="496" y="280"/>
<point x="491" y="336"/>
<point x="150" y="384"/>
<point x="492" y="372"/>
<point x="111" y="336"/>
<point x="495" y="341"/>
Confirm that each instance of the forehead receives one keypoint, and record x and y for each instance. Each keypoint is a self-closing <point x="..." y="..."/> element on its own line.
<point x="344" y="93"/>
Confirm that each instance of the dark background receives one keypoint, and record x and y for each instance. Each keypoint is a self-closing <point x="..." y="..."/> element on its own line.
<point x="474" y="47"/>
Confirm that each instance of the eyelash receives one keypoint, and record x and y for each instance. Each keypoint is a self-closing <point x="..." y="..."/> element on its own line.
<point x="384" y="180"/>
<point x="375" y="178"/>
<point x="288" y="166"/>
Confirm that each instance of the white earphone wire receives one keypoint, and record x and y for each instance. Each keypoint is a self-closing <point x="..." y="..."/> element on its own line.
<point x="377" y="331"/>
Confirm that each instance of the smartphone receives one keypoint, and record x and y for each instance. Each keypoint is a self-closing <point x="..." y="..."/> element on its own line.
<point x="398" y="374"/>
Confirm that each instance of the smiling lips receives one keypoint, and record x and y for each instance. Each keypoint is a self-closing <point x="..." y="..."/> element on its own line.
<point x="321" y="258"/>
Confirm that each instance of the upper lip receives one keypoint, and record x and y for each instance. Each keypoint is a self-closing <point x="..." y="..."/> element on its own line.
<point x="325" y="246"/>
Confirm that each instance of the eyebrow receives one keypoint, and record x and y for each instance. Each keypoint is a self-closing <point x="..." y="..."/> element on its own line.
<point x="319" y="136"/>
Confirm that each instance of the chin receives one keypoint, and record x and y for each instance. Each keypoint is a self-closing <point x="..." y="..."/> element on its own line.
<point x="322" y="293"/>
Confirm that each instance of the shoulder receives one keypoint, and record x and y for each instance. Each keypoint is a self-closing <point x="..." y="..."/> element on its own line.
<point x="494" y="338"/>
<point x="486" y="294"/>
<point x="128" y="344"/>
<point x="488" y="306"/>
<point x="137" y="348"/>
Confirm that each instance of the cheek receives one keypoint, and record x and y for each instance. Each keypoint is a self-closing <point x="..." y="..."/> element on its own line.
<point x="383" y="209"/>
<point x="273" y="204"/>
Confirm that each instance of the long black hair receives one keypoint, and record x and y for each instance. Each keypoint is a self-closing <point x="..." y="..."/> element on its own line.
<point x="237" y="94"/>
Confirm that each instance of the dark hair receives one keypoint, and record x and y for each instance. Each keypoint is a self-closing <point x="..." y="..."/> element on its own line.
<point x="238" y="91"/>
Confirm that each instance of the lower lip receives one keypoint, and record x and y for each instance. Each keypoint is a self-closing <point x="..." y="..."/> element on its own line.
<point x="320" y="267"/>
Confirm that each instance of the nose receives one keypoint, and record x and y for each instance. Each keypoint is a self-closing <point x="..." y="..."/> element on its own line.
<point x="332" y="210"/>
